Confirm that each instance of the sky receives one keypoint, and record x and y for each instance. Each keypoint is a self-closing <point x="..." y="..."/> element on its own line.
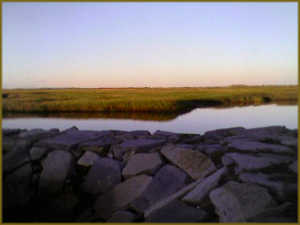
<point x="94" y="45"/>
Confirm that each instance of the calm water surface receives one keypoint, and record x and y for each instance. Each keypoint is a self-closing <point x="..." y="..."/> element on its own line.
<point x="197" y="121"/>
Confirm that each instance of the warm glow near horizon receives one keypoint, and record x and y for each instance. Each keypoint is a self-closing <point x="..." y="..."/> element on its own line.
<point x="92" y="45"/>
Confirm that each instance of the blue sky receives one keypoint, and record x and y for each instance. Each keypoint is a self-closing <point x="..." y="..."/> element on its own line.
<point x="149" y="44"/>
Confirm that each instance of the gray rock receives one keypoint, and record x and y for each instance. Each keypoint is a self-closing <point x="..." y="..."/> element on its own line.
<point x="121" y="195"/>
<point x="236" y="202"/>
<point x="250" y="162"/>
<point x="71" y="129"/>
<point x="88" y="159"/>
<point x="165" y="133"/>
<point x="275" y="214"/>
<point x="11" y="132"/>
<point x="57" y="167"/>
<point x="17" y="191"/>
<point x="122" y="217"/>
<point x="125" y="137"/>
<point x="16" y="158"/>
<point x="265" y="131"/>
<point x="140" y="133"/>
<point x="99" y="146"/>
<point x="289" y="141"/>
<point x="192" y="162"/>
<point x="127" y="156"/>
<point x="176" y="196"/>
<point x="294" y="167"/>
<point x="254" y="146"/>
<point x="166" y="182"/>
<point x="71" y="140"/>
<point x="37" y="134"/>
<point x="138" y="145"/>
<point x="200" y="193"/>
<point x="271" y="182"/>
<point x="142" y="163"/>
<point x="177" y="212"/>
<point x="102" y="177"/>
<point x="222" y="133"/>
<point x="37" y="153"/>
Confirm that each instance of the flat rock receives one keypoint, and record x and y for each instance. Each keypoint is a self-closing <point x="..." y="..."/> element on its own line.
<point x="138" y="145"/>
<point x="121" y="195"/>
<point x="37" y="153"/>
<point x="102" y="177"/>
<point x="57" y="167"/>
<point x="200" y="193"/>
<point x="192" y="162"/>
<point x="71" y="140"/>
<point x="142" y="163"/>
<point x="265" y="131"/>
<point x="17" y="191"/>
<point x="254" y="162"/>
<point x="176" y="196"/>
<point x="38" y="134"/>
<point x="255" y="146"/>
<point x="71" y="130"/>
<point x="88" y="159"/>
<point x="236" y="202"/>
<point x="125" y="137"/>
<point x="177" y="212"/>
<point x="166" y="182"/>
<point x="100" y="145"/>
<point x="220" y="134"/>
<point x="122" y="217"/>
<point x="140" y="133"/>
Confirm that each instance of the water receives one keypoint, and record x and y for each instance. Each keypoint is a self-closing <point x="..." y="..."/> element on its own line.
<point x="197" y="121"/>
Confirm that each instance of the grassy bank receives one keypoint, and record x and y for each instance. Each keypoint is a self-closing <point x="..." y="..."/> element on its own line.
<point x="141" y="99"/>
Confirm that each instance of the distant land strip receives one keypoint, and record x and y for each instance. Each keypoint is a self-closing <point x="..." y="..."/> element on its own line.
<point x="159" y="100"/>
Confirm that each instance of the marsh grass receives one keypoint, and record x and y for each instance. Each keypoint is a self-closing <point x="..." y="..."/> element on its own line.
<point x="141" y="99"/>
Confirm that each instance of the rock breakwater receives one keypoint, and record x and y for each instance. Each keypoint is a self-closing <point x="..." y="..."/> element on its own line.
<point x="225" y="175"/>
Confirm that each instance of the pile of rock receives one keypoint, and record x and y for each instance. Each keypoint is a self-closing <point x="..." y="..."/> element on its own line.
<point x="226" y="175"/>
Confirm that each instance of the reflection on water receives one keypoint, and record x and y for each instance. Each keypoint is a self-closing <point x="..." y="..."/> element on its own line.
<point x="197" y="121"/>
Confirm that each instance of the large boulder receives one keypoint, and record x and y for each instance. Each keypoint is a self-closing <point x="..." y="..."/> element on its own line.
<point x="177" y="212"/>
<point x="138" y="145"/>
<point x="166" y="182"/>
<point x="121" y="195"/>
<point x="102" y="177"/>
<point x="142" y="163"/>
<point x="192" y="162"/>
<point x="71" y="140"/>
<point x="57" y="168"/>
<point x="17" y="190"/>
<point x="254" y="162"/>
<point x="236" y="202"/>
<point x="16" y="158"/>
<point x="176" y="196"/>
<point x="200" y="193"/>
